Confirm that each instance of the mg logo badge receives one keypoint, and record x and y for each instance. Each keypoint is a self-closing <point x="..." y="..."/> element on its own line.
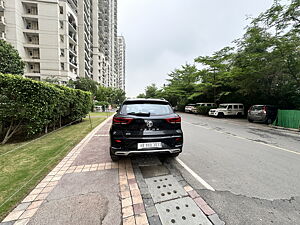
<point x="149" y="123"/>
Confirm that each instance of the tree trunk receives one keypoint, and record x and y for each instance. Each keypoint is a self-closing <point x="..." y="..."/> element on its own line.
<point x="11" y="131"/>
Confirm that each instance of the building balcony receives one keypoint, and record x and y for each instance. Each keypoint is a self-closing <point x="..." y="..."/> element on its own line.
<point x="2" y="36"/>
<point x="34" y="59"/>
<point x="72" y="36"/>
<point x="2" y="20"/>
<point x="73" y="51"/>
<point x="33" y="72"/>
<point x="31" y="26"/>
<point x="73" y="64"/>
<point x="73" y="4"/>
<point x="30" y="16"/>
<point x="2" y="6"/>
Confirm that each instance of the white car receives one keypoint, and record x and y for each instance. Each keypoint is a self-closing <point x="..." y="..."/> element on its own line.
<point x="203" y="104"/>
<point x="189" y="108"/>
<point x="228" y="109"/>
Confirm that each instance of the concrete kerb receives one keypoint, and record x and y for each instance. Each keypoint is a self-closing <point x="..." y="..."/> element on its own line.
<point x="285" y="128"/>
<point x="30" y="204"/>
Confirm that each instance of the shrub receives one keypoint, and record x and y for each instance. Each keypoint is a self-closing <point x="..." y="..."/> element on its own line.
<point x="33" y="106"/>
<point x="203" y="110"/>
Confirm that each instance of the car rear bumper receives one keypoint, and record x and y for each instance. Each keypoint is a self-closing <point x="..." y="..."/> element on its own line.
<point x="258" y="118"/>
<point x="152" y="151"/>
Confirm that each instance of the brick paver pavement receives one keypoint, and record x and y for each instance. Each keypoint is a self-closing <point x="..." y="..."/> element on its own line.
<point x="86" y="187"/>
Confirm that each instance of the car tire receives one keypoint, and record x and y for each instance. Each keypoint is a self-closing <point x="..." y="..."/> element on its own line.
<point x="251" y="121"/>
<point x="114" y="157"/>
<point x="220" y="115"/>
<point x="239" y="114"/>
<point x="268" y="121"/>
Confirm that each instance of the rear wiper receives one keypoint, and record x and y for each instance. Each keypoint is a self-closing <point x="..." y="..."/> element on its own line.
<point x="139" y="114"/>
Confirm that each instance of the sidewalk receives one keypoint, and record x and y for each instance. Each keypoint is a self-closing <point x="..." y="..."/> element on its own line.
<point x="87" y="188"/>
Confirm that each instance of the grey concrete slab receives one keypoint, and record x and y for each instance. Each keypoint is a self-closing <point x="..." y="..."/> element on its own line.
<point x="181" y="211"/>
<point x="96" y="151"/>
<point x="164" y="188"/>
<point x="154" y="171"/>
<point x="148" y="160"/>
<point x="82" y="198"/>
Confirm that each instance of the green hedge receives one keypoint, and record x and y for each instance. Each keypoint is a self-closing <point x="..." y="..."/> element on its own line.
<point x="34" y="106"/>
<point x="203" y="110"/>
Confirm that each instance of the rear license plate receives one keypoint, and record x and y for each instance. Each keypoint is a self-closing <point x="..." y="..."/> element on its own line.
<point x="149" y="145"/>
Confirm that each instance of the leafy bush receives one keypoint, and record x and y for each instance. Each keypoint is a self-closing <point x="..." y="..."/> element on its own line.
<point x="11" y="61"/>
<point x="33" y="106"/>
<point x="203" y="110"/>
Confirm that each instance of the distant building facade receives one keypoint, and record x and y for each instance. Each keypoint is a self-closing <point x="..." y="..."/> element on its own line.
<point x="64" y="39"/>
<point x="121" y="63"/>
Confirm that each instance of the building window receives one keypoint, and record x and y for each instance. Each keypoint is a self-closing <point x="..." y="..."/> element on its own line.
<point x="31" y="67"/>
<point x="61" y="10"/>
<point x="62" y="66"/>
<point x="61" y="24"/>
<point x="62" y="52"/>
<point x="62" y="38"/>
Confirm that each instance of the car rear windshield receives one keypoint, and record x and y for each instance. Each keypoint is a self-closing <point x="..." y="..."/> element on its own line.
<point x="146" y="108"/>
<point x="257" y="107"/>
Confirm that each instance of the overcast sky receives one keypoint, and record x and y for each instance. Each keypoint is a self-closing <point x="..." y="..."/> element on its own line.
<point x="162" y="35"/>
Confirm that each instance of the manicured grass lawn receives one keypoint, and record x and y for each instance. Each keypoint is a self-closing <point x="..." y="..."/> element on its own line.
<point x="24" y="165"/>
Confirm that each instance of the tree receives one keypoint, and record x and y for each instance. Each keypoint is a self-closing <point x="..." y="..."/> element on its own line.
<point x="151" y="91"/>
<point x="110" y="95"/>
<point x="84" y="84"/>
<point x="215" y="75"/>
<point x="181" y="85"/>
<point x="11" y="62"/>
<point x="142" y="95"/>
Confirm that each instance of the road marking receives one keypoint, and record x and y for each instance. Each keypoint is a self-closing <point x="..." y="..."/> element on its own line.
<point x="221" y="132"/>
<point x="196" y="176"/>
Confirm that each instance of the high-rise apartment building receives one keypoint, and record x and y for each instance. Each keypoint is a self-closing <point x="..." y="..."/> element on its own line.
<point x="121" y="63"/>
<point x="45" y="34"/>
<point x="64" y="39"/>
<point x="85" y="43"/>
<point x="108" y="38"/>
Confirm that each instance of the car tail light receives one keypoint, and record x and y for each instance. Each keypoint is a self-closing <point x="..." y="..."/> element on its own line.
<point x="178" y="139"/>
<point x="174" y="120"/>
<point x="118" y="141"/>
<point x="264" y="109"/>
<point x="121" y="120"/>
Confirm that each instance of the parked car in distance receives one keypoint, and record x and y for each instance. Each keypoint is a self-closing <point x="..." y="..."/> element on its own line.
<point x="194" y="110"/>
<point x="228" y="109"/>
<point x="143" y="126"/>
<point x="262" y="113"/>
<point x="189" y="108"/>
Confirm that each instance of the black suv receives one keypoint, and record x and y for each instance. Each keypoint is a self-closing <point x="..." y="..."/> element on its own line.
<point x="145" y="126"/>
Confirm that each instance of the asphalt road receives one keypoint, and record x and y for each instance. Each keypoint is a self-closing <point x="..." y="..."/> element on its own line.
<point x="254" y="169"/>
